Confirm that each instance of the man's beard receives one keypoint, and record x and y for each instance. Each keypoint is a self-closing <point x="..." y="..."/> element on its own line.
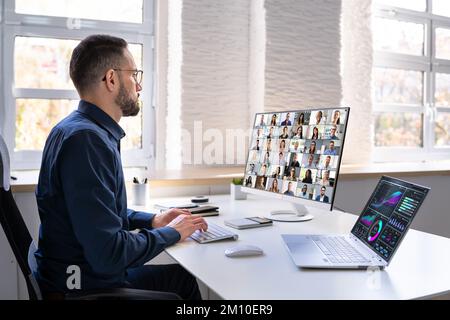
<point x="129" y="107"/>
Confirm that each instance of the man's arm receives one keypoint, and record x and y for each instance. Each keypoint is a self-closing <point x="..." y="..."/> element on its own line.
<point x="87" y="172"/>
<point x="140" y="219"/>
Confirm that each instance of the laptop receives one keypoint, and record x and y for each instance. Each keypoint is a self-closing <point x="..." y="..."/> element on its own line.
<point x="375" y="237"/>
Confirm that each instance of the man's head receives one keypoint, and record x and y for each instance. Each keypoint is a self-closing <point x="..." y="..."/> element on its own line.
<point x="333" y="131"/>
<point x="327" y="160"/>
<point x="304" y="188"/>
<point x="288" y="116"/>
<point x="290" y="186"/>
<point x="322" y="191"/>
<point x="102" y="68"/>
<point x="331" y="145"/>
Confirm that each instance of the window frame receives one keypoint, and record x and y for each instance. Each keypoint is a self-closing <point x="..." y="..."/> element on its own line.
<point x="55" y="27"/>
<point x="429" y="65"/>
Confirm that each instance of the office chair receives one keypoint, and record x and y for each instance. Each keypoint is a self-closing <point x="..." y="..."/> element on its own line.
<point x="24" y="248"/>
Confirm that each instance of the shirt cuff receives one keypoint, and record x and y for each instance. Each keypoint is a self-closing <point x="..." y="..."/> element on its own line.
<point x="140" y="220"/>
<point x="171" y="235"/>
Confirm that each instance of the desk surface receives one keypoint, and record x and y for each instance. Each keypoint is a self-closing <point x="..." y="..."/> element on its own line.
<point x="420" y="268"/>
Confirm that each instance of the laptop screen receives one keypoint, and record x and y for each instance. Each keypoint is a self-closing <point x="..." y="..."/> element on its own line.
<point x="388" y="215"/>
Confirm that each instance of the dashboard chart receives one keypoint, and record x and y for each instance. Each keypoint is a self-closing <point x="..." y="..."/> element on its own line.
<point x="385" y="200"/>
<point x="387" y="216"/>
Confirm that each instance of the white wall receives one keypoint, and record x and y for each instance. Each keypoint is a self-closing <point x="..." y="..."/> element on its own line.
<point x="215" y="65"/>
<point x="302" y="54"/>
<point x="257" y="59"/>
<point x="244" y="56"/>
<point x="356" y="72"/>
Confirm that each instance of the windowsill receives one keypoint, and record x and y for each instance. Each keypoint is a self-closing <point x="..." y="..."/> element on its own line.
<point x="27" y="180"/>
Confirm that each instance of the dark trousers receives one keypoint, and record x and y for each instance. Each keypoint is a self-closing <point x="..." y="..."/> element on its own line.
<point x="170" y="278"/>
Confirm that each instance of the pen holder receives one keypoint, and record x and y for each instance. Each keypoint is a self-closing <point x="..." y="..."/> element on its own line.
<point x="139" y="192"/>
<point x="236" y="192"/>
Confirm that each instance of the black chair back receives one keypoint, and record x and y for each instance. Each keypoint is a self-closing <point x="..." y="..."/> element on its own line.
<point x="14" y="227"/>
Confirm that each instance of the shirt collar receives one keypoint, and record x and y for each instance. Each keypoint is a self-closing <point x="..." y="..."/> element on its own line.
<point x="101" y="118"/>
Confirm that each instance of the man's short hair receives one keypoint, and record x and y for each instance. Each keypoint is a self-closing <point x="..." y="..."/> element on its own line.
<point x="92" y="57"/>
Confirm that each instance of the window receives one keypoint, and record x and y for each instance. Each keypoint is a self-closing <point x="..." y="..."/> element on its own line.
<point x="38" y="39"/>
<point x="411" y="79"/>
<point x="106" y="10"/>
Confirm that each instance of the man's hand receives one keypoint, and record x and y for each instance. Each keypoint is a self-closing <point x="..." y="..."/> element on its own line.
<point x="163" y="219"/>
<point x="187" y="224"/>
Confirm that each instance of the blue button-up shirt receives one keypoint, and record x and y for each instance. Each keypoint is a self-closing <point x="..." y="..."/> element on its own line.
<point x="82" y="204"/>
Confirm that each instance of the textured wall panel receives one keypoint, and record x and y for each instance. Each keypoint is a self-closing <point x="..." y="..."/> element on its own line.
<point x="215" y="64"/>
<point x="302" y="54"/>
<point x="356" y="79"/>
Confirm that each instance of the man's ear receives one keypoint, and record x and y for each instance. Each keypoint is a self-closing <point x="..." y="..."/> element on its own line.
<point x="110" y="80"/>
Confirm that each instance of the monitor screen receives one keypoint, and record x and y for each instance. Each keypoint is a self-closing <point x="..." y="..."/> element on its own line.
<point x="388" y="215"/>
<point x="297" y="153"/>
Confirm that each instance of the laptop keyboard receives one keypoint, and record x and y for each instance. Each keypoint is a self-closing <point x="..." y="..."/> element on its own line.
<point x="214" y="233"/>
<point x="338" y="250"/>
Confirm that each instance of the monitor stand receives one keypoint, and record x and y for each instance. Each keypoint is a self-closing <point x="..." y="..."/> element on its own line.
<point x="300" y="213"/>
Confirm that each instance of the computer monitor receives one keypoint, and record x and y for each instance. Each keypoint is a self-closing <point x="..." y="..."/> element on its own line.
<point x="295" y="156"/>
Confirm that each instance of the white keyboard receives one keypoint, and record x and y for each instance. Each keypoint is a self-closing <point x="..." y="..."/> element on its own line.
<point x="213" y="233"/>
<point x="338" y="250"/>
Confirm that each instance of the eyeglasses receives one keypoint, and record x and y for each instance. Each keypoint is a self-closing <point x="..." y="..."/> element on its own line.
<point x="137" y="74"/>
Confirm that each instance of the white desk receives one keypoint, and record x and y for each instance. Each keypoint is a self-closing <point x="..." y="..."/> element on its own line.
<point x="420" y="268"/>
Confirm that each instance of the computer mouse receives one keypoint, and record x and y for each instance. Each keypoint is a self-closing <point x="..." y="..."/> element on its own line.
<point x="243" y="250"/>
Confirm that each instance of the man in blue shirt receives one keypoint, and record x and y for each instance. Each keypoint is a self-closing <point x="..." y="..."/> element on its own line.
<point x="331" y="151"/>
<point x="81" y="193"/>
<point x="289" y="191"/>
<point x="286" y="121"/>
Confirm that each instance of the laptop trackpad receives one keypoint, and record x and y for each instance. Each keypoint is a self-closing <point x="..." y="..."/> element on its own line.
<point x="303" y="250"/>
